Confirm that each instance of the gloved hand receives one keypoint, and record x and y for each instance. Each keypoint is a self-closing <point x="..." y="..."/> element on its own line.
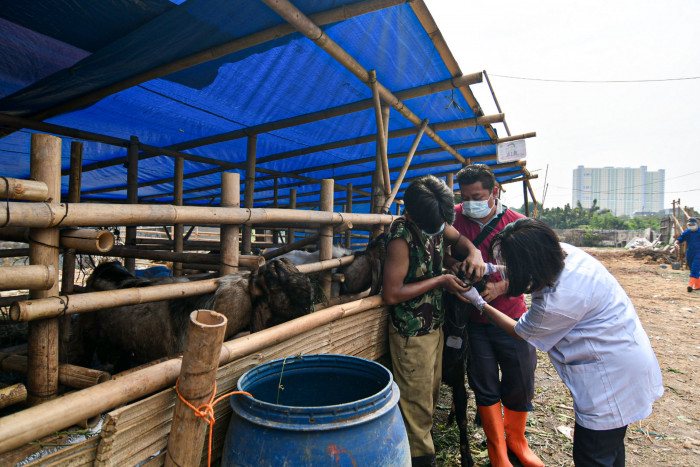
<point x="473" y="296"/>
<point x="490" y="269"/>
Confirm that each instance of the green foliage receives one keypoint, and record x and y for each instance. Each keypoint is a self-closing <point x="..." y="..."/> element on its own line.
<point x="592" y="218"/>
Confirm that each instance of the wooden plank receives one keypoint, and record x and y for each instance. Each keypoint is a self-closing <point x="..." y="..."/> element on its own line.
<point x="76" y="455"/>
<point x="134" y="433"/>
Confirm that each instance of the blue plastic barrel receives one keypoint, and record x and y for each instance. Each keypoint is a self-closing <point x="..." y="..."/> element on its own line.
<point x="318" y="410"/>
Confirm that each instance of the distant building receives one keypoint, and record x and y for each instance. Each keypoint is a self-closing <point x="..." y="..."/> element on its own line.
<point x="625" y="191"/>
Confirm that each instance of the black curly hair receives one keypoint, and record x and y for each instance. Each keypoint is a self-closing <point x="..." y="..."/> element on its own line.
<point x="430" y="203"/>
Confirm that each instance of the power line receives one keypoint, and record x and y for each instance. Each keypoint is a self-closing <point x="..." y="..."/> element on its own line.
<point x="597" y="81"/>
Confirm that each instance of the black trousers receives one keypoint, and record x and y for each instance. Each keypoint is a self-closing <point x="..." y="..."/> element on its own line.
<point x="599" y="448"/>
<point x="491" y="348"/>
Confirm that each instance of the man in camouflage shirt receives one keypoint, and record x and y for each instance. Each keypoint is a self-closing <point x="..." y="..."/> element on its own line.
<point x="413" y="285"/>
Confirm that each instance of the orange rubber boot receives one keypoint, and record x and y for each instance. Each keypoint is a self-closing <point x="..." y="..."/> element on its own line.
<point x="492" y="422"/>
<point x="695" y="283"/>
<point x="514" y="424"/>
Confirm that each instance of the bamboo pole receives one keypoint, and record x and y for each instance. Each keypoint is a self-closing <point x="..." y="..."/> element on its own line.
<point x="381" y="135"/>
<point x="348" y="209"/>
<point x="527" y="206"/>
<point x="22" y="427"/>
<point x="230" y="197"/>
<point x="325" y="241"/>
<point x="88" y="240"/>
<point x="291" y="232"/>
<point x="307" y="27"/>
<point x="81" y="303"/>
<point x="33" y="277"/>
<point x="42" y="374"/>
<point x="268" y="255"/>
<point x="132" y="194"/>
<point x="70" y="375"/>
<point x="249" y="193"/>
<point x="450" y="181"/>
<point x="14" y="252"/>
<point x="404" y="168"/>
<point x="248" y="261"/>
<point x="426" y="19"/>
<point x="196" y="385"/>
<point x="44" y="215"/>
<point x="325" y="265"/>
<point x="27" y="190"/>
<point x="11" y="395"/>
<point x="178" y="229"/>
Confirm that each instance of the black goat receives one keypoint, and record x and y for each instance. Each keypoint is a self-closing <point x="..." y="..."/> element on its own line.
<point x="454" y="357"/>
<point x="366" y="269"/>
<point x="128" y="335"/>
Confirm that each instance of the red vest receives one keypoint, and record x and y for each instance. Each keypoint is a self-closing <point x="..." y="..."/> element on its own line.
<point x="511" y="306"/>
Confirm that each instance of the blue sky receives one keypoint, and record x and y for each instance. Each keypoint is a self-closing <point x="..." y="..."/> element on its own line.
<point x="630" y="124"/>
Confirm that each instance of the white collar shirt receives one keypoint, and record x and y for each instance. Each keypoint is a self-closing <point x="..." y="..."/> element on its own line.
<point x="588" y="325"/>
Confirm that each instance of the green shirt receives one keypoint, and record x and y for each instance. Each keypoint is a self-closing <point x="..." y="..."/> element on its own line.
<point x="424" y="313"/>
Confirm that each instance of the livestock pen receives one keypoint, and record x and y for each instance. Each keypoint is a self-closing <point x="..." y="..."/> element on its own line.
<point x="293" y="119"/>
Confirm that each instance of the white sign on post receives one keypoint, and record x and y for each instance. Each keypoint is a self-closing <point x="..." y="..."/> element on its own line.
<point x="511" y="151"/>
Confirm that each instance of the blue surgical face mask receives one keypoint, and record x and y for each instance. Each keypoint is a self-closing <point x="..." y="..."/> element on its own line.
<point x="476" y="209"/>
<point x="442" y="227"/>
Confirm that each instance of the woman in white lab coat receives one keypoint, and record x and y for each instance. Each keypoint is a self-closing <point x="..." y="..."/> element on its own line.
<point x="583" y="318"/>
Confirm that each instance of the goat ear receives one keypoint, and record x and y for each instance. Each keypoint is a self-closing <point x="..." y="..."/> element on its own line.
<point x="258" y="287"/>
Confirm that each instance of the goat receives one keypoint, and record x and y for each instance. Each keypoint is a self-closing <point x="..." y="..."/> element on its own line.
<point x="366" y="269"/>
<point x="454" y="363"/>
<point x="142" y="333"/>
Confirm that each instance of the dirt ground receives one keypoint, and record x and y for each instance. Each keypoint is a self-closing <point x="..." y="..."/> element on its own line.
<point x="670" y="436"/>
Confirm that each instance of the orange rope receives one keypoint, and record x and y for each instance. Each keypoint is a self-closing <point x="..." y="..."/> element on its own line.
<point x="206" y="411"/>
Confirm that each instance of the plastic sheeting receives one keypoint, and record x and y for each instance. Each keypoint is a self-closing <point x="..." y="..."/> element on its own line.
<point x="55" y="52"/>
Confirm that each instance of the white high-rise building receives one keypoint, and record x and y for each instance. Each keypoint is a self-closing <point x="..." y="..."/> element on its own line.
<point x="625" y="191"/>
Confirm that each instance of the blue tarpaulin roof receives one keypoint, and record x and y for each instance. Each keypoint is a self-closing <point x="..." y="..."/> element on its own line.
<point x="64" y="62"/>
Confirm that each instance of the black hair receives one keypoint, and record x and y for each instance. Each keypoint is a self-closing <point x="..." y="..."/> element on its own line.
<point x="532" y="255"/>
<point x="476" y="173"/>
<point x="430" y="203"/>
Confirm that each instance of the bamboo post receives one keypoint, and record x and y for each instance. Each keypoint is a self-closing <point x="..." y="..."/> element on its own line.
<point x="450" y="181"/>
<point x="42" y="374"/>
<point x="74" y="181"/>
<point x="27" y="190"/>
<point x="132" y="194"/>
<point x="348" y="209"/>
<point x="178" y="228"/>
<point x="249" y="193"/>
<point x="230" y="197"/>
<point x="325" y="241"/>
<point x="404" y="168"/>
<point x="197" y="383"/>
<point x="33" y="277"/>
<point x="291" y="232"/>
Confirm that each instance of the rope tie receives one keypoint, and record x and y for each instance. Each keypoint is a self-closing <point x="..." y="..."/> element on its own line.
<point x="206" y="411"/>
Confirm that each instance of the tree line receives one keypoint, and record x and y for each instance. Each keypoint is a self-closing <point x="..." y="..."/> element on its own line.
<point x="592" y="218"/>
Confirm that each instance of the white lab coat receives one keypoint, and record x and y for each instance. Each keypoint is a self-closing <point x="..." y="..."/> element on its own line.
<point x="596" y="342"/>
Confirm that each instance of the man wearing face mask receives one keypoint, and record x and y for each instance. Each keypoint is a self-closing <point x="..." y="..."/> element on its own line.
<point x="692" y="253"/>
<point x="503" y="397"/>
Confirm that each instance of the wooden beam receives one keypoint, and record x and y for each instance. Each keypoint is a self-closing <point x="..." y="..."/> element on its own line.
<point x="308" y="28"/>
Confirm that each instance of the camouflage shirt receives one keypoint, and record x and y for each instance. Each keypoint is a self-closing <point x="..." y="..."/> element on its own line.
<point x="424" y="313"/>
